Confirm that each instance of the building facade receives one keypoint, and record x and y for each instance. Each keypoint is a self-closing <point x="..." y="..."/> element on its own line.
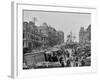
<point x="60" y="37"/>
<point x="43" y="36"/>
<point x="32" y="39"/>
<point x="85" y="35"/>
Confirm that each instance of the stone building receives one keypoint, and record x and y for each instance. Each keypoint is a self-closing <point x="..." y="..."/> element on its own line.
<point x="43" y="29"/>
<point x="53" y="37"/>
<point x="85" y="35"/>
<point x="60" y="37"/>
<point x="40" y="36"/>
<point x="32" y="39"/>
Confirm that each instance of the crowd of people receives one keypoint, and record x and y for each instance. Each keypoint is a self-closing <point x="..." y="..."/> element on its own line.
<point x="72" y="57"/>
<point x="63" y="57"/>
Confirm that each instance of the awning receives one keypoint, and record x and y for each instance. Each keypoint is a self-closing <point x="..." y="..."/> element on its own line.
<point x="54" y="49"/>
<point x="48" y="52"/>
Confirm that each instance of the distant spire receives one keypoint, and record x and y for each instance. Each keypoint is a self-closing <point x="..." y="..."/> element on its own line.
<point x="34" y="19"/>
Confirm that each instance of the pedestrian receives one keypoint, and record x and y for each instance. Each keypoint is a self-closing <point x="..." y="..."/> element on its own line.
<point x="68" y="63"/>
<point x="62" y="61"/>
<point x="82" y="63"/>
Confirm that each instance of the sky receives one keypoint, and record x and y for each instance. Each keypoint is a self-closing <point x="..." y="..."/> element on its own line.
<point x="61" y="21"/>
